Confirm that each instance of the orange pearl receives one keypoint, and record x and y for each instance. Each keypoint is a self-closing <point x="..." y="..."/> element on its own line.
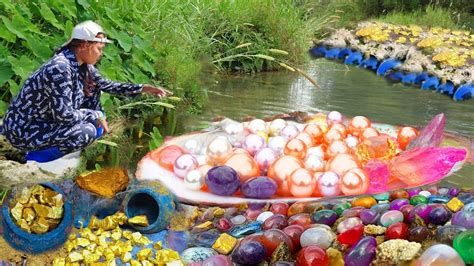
<point x="333" y="135"/>
<point x="341" y="128"/>
<point x="358" y="124"/>
<point x="301" y="183"/>
<point x="306" y="138"/>
<point x="405" y="136"/>
<point x="336" y="147"/>
<point x="341" y="163"/>
<point x="368" y="133"/>
<point x="354" y="182"/>
<point x="244" y="165"/>
<point x="295" y="147"/>
<point x="166" y="156"/>
<point x="316" y="192"/>
<point x="315" y="132"/>
<point x="281" y="169"/>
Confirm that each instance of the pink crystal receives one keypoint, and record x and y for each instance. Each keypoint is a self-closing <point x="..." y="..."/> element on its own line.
<point x="431" y="135"/>
<point x="425" y="165"/>
<point x="378" y="174"/>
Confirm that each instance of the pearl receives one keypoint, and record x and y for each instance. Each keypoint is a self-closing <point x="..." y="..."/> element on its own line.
<point x="194" y="180"/>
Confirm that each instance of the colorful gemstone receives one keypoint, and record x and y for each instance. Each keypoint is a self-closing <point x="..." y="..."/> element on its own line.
<point x="362" y="253"/>
<point x="398" y="230"/>
<point x="352" y="235"/>
<point x="312" y="255"/>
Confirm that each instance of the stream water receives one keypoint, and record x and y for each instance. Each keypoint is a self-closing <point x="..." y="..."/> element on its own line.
<point x="347" y="89"/>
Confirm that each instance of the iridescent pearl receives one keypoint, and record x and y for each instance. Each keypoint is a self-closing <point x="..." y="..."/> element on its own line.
<point x="352" y="141"/>
<point x="277" y="144"/>
<point x="264" y="158"/>
<point x="193" y="146"/>
<point x="329" y="184"/>
<point x="257" y="125"/>
<point x="219" y="150"/>
<point x="354" y="182"/>
<point x="184" y="164"/>
<point x="336" y="147"/>
<point x="301" y="183"/>
<point x="276" y="126"/>
<point x="341" y="163"/>
<point x="289" y="131"/>
<point x="194" y="180"/>
<point x="253" y="143"/>
<point x="296" y="148"/>
<point x="334" y="117"/>
<point x="317" y="151"/>
<point x="314" y="163"/>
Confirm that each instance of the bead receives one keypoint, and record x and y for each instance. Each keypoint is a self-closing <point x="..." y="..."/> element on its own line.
<point x="217" y="260"/>
<point x="312" y="255"/>
<point x="218" y="150"/>
<point x="353" y="212"/>
<point x="413" y="192"/>
<point x="327" y="217"/>
<point x="391" y="217"/>
<point x="453" y="191"/>
<point x="362" y="253"/>
<point x="455" y="204"/>
<point x="317" y="236"/>
<point x="398" y="230"/>
<point x="422" y="210"/>
<point x="464" y="244"/>
<point x="440" y="254"/>
<point x="438" y="199"/>
<point x="366" y="202"/>
<point x="352" y="235"/>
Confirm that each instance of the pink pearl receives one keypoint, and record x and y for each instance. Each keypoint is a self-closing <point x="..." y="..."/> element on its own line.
<point x="184" y="164"/>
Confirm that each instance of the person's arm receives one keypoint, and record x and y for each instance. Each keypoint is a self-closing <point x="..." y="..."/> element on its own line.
<point x="59" y="88"/>
<point x="114" y="87"/>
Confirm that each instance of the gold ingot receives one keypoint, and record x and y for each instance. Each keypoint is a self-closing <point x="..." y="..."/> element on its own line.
<point x="455" y="204"/>
<point x="224" y="244"/>
<point x="82" y="242"/>
<point x="23" y="224"/>
<point x="24" y="196"/>
<point x="126" y="257"/>
<point x="17" y="211"/>
<point x="144" y="254"/>
<point x="136" y="237"/>
<point x="105" y="182"/>
<point x="204" y="225"/>
<point x="40" y="226"/>
<point x="127" y="234"/>
<point x="139" y="220"/>
<point x="59" y="262"/>
<point x="158" y="245"/>
<point x="75" y="257"/>
<point x="135" y="263"/>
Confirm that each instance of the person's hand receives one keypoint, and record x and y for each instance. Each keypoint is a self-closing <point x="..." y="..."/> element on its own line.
<point x="156" y="91"/>
<point x="102" y="122"/>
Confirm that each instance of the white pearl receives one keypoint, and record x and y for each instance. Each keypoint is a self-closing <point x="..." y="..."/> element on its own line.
<point x="194" y="180"/>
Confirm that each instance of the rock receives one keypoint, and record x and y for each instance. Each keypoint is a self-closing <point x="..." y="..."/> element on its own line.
<point x="396" y="251"/>
<point x="105" y="182"/>
<point x="13" y="173"/>
<point x="374" y="230"/>
<point x="197" y="254"/>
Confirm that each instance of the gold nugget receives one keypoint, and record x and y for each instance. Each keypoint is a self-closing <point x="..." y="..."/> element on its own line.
<point x="17" y="211"/>
<point x="140" y="220"/>
<point x="224" y="244"/>
<point x="144" y="254"/>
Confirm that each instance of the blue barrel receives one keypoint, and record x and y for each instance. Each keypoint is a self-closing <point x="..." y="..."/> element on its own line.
<point x="353" y="59"/>
<point x="421" y="77"/>
<point x="464" y="92"/>
<point x="395" y="76"/>
<point x="387" y="65"/>
<point x="447" y="88"/>
<point x="154" y="201"/>
<point x="33" y="243"/>
<point x="318" y="51"/>
<point x="344" y="53"/>
<point x="409" y="78"/>
<point x="332" y="53"/>
<point x="370" y="63"/>
<point x="430" y="83"/>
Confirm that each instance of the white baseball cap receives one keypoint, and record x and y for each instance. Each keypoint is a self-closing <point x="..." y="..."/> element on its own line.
<point x="87" y="31"/>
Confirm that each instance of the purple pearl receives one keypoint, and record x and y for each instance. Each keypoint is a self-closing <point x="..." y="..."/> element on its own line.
<point x="398" y="203"/>
<point x="222" y="180"/>
<point x="453" y="191"/>
<point x="413" y="192"/>
<point x="260" y="187"/>
<point x="439" y="215"/>
<point x="422" y="210"/>
<point x="369" y="216"/>
<point x="362" y="253"/>
<point x="353" y="212"/>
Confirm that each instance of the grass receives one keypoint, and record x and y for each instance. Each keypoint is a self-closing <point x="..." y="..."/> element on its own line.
<point x="430" y="17"/>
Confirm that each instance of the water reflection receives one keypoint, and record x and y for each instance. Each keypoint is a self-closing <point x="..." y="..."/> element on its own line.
<point x="347" y="89"/>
